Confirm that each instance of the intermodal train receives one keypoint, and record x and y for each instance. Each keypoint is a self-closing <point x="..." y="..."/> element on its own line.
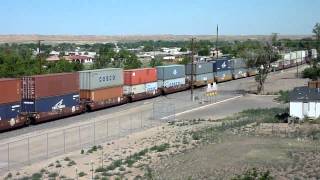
<point x="41" y="98"/>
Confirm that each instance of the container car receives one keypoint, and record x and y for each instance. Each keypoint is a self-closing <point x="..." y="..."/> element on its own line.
<point x="172" y="78"/>
<point x="201" y="79"/>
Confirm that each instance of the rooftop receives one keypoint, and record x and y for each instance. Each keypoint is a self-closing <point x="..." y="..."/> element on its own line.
<point x="304" y="93"/>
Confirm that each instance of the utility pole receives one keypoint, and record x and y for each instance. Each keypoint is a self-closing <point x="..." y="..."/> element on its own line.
<point x="217" y="37"/>
<point x="192" y="66"/>
<point x="39" y="56"/>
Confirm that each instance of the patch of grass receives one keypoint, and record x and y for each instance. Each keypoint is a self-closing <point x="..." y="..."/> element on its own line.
<point x="82" y="151"/>
<point x="58" y="166"/>
<point x="50" y="165"/>
<point x="37" y="176"/>
<point x="67" y="159"/>
<point x="196" y="136"/>
<point x="283" y="97"/>
<point x="254" y="174"/>
<point x="160" y="148"/>
<point x="71" y="163"/>
<point x="53" y="175"/>
<point x="122" y="168"/>
<point x="100" y="169"/>
<point x="96" y="177"/>
<point x="81" y="174"/>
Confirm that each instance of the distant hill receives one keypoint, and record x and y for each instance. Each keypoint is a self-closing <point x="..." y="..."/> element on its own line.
<point x="127" y="38"/>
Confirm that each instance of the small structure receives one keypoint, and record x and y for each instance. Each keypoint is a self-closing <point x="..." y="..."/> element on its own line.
<point x="80" y="59"/>
<point x="305" y="102"/>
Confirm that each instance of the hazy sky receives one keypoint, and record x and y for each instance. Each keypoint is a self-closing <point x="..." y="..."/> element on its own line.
<point x="120" y="17"/>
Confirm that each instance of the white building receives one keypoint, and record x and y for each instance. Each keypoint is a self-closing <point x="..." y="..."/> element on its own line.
<point x="305" y="102"/>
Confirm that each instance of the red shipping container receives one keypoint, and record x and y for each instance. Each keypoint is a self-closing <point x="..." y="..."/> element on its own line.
<point x="140" y="76"/>
<point x="101" y="94"/>
<point x="34" y="87"/>
<point x="10" y="90"/>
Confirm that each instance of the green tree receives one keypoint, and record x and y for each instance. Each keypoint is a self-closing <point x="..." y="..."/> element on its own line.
<point x="205" y="51"/>
<point x="128" y="60"/>
<point x="316" y="31"/>
<point x="262" y="59"/>
<point x="183" y="49"/>
<point x="185" y="60"/>
<point x="155" y="62"/>
<point x="148" y="48"/>
<point x="311" y="73"/>
<point x="105" y="57"/>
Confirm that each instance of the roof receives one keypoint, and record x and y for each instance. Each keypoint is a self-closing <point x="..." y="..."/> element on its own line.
<point x="305" y="94"/>
<point x="53" y="58"/>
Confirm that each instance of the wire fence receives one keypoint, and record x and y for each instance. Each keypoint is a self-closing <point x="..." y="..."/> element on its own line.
<point x="46" y="145"/>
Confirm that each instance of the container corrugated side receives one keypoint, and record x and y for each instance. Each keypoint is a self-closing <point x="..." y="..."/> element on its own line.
<point x="171" y="82"/>
<point x="199" y="68"/>
<point x="9" y="111"/>
<point x="51" y="104"/>
<point x="101" y="94"/>
<point x="221" y="65"/>
<point x="171" y="72"/>
<point x="202" y="77"/>
<point x="135" y="89"/>
<point x="140" y="76"/>
<point x="101" y="78"/>
<point x="10" y="90"/>
<point x="39" y="86"/>
<point x="223" y="73"/>
<point x="238" y="63"/>
<point x="151" y="87"/>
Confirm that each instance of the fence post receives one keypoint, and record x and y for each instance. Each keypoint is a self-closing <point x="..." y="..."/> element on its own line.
<point x="47" y="146"/>
<point x="64" y="141"/>
<point x="29" y="150"/>
<point x="79" y="134"/>
<point x="8" y="156"/>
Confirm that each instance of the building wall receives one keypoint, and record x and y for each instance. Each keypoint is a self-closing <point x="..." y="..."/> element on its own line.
<point x="301" y="109"/>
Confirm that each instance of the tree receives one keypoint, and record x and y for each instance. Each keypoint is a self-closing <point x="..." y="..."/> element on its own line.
<point x="262" y="59"/>
<point x="205" y="51"/>
<point x="183" y="49"/>
<point x="316" y="31"/>
<point x="148" y="48"/>
<point x="128" y="60"/>
<point x="104" y="59"/>
<point x="155" y="62"/>
<point x="311" y="73"/>
<point x="185" y="60"/>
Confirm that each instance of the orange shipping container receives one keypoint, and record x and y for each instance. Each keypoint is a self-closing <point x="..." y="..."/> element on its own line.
<point x="101" y="94"/>
<point x="10" y="90"/>
<point x="140" y="76"/>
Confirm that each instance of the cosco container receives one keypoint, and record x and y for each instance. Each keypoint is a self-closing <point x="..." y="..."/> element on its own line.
<point x="51" y="104"/>
<point x="171" y="72"/>
<point x="199" y="68"/>
<point x="135" y="89"/>
<point x="39" y="86"/>
<point x="238" y="63"/>
<point x="151" y="87"/>
<point x="171" y="82"/>
<point x="140" y="76"/>
<point x="221" y="65"/>
<point x="101" y="94"/>
<point x="9" y="115"/>
<point x="101" y="78"/>
<point x="10" y="90"/>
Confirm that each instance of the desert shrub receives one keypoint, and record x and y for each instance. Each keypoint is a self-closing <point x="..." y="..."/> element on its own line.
<point x="254" y="174"/>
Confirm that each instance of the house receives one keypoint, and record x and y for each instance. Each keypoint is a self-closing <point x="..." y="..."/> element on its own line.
<point x="80" y="59"/>
<point x="53" y="58"/>
<point x="305" y="102"/>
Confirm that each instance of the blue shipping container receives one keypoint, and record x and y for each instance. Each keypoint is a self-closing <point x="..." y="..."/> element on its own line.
<point x="9" y="111"/>
<point x="221" y="65"/>
<point x="49" y="104"/>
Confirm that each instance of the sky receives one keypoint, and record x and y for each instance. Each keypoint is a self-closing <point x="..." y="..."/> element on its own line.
<point x="147" y="17"/>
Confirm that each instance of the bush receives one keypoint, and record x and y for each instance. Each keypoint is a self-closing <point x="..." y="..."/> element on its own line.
<point x="81" y="174"/>
<point x="253" y="174"/>
<point x="160" y="148"/>
<point x="311" y="73"/>
<point x="283" y="96"/>
<point x="53" y="175"/>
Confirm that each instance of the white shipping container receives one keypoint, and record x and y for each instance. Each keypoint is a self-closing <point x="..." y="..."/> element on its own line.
<point x="151" y="87"/>
<point x="135" y="89"/>
<point x="293" y="55"/>
<point x="172" y="82"/>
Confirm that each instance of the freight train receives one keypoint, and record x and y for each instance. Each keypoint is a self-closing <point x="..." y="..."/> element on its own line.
<point x="41" y="98"/>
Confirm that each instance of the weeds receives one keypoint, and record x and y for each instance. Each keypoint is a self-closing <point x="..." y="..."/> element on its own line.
<point x="160" y="148"/>
<point x="81" y="174"/>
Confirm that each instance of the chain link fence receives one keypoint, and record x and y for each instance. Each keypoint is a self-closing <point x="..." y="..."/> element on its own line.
<point x="31" y="149"/>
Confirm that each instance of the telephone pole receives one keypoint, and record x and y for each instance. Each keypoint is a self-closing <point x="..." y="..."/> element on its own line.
<point x="217" y="37"/>
<point x="192" y="66"/>
<point x="39" y="56"/>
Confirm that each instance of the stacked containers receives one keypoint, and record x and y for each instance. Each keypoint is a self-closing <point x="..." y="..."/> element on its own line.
<point x="10" y="97"/>
<point x="101" y="88"/>
<point x="222" y="69"/>
<point x="171" y="78"/>
<point x="140" y="83"/>
<point x="238" y="68"/>
<point x="202" y="73"/>
<point x="47" y="97"/>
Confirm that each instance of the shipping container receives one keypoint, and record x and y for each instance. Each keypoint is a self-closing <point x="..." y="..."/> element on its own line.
<point x="239" y="73"/>
<point x="101" y="78"/>
<point x="221" y="65"/>
<point x="9" y="116"/>
<point x="140" y="76"/>
<point x="48" y="108"/>
<point x="10" y="90"/>
<point x="97" y="95"/>
<point x="314" y="84"/>
<point x="151" y="87"/>
<point x="135" y="89"/>
<point x="171" y="72"/>
<point x="252" y="71"/>
<point x="238" y="63"/>
<point x="171" y="82"/>
<point x="39" y="86"/>
<point x="199" y="68"/>
<point x="202" y="79"/>
<point x="222" y="76"/>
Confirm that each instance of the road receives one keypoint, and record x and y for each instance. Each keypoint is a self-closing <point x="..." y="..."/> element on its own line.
<point x="46" y="140"/>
